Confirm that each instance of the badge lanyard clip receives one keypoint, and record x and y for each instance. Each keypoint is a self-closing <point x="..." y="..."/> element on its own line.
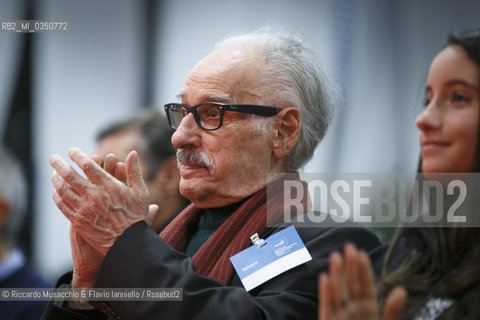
<point x="257" y="241"/>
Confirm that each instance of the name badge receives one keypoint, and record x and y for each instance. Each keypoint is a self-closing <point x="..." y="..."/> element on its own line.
<point x="280" y="252"/>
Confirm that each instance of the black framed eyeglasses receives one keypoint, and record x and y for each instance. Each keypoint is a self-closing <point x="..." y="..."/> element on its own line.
<point x="209" y="116"/>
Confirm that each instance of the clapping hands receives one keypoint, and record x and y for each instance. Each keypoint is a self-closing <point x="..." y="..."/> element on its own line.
<point x="100" y="207"/>
<point x="349" y="291"/>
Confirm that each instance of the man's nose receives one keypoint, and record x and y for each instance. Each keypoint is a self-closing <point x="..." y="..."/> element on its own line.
<point x="187" y="133"/>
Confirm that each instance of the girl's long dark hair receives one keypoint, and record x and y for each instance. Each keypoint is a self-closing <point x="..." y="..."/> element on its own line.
<point x="439" y="261"/>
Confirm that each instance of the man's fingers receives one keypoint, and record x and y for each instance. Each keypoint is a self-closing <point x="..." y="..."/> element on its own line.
<point x="70" y="213"/>
<point x="394" y="304"/>
<point x="152" y="212"/>
<point x="65" y="192"/>
<point x="120" y="173"/>
<point x="97" y="159"/>
<point x="367" y="280"/>
<point x="111" y="161"/>
<point x="68" y="174"/>
<point x="92" y="170"/>
<point x="132" y="169"/>
<point x="67" y="211"/>
<point x="112" y="165"/>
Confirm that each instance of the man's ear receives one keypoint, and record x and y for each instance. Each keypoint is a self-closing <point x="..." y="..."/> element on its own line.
<point x="288" y="124"/>
<point x="4" y="211"/>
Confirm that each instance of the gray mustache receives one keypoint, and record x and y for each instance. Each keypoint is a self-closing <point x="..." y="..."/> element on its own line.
<point x="195" y="157"/>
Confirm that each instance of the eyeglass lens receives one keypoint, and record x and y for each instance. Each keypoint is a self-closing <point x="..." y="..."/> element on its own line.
<point x="176" y="114"/>
<point x="208" y="115"/>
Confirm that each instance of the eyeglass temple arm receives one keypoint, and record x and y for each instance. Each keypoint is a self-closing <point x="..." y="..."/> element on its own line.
<point x="253" y="109"/>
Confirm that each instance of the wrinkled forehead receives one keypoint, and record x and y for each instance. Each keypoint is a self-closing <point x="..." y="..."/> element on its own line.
<point x="223" y="76"/>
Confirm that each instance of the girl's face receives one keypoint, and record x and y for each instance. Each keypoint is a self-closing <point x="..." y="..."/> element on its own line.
<point x="449" y="123"/>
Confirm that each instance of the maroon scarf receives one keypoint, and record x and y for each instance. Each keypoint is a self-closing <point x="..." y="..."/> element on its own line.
<point x="213" y="258"/>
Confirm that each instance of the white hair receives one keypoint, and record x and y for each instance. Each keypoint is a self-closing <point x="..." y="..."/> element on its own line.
<point x="12" y="190"/>
<point x="291" y="76"/>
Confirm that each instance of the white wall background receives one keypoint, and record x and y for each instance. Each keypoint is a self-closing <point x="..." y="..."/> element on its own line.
<point x="94" y="74"/>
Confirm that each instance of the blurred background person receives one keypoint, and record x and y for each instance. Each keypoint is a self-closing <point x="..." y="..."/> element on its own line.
<point x="149" y="134"/>
<point x="14" y="272"/>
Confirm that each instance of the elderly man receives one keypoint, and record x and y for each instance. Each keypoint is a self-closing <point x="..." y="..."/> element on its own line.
<point x="257" y="105"/>
<point x="149" y="135"/>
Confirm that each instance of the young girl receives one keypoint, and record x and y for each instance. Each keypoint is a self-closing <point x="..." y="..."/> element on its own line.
<point x="428" y="273"/>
